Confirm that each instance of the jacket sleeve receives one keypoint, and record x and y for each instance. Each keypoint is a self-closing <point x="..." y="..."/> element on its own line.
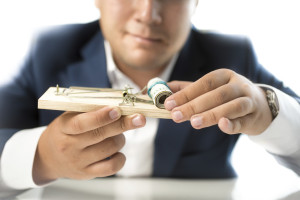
<point x="18" y="105"/>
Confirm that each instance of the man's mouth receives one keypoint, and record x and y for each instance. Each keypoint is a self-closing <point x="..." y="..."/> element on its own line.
<point x="145" y="39"/>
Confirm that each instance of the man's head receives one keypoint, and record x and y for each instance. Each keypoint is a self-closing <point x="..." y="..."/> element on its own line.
<point x="145" y="34"/>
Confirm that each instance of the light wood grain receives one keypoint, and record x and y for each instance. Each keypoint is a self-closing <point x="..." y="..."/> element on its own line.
<point x="93" y="101"/>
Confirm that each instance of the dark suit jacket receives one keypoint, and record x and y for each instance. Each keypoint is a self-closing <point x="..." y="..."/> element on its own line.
<point x="74" y="55"/>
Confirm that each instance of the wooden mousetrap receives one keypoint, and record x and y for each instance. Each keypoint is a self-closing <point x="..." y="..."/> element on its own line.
<point x="85" y="99"/>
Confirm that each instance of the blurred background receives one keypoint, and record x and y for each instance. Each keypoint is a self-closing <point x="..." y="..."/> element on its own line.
<point x="272" y="26"/>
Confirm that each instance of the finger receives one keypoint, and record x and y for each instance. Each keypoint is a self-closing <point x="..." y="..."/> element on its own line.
<point x="80" y="123"/>
<point x="205" y="102"/>
<point x="234" y="109"/>
<point x="123" y="124"/>
<point x="234" y="126"/>
<point x="176" y="86"/>
<point x="102" y="150"/>
<point x="106" y="167"/>
<point x="205" y="84"/>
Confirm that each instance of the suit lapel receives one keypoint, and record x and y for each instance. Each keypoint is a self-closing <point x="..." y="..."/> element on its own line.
<point x="91" y="70"/>
<point x="171" y="137"/>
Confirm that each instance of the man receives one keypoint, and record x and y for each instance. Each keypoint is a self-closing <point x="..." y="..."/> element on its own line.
<point x="138" y="40"/>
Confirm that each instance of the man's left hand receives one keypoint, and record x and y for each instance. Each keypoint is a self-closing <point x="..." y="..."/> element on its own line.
<point x="221" y="97"/>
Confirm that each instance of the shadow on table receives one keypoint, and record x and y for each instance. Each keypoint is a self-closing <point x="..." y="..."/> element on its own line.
<point x="293" y="196"/>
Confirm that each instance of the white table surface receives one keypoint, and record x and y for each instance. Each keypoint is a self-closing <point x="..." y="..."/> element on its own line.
<point x="287" y="188"/>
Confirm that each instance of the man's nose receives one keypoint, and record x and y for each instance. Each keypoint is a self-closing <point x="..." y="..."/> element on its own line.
<point x="149" y="11"/>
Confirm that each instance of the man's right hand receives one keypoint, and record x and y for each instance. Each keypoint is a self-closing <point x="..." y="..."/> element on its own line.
<point x="83" y="145"/>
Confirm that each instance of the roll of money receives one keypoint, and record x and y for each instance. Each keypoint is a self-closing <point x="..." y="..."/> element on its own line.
<point x="158" y="91"/>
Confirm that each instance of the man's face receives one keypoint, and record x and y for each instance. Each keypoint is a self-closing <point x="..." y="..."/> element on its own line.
<point x="145" y="34"/>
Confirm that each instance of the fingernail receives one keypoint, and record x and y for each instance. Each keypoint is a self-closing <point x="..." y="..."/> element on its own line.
<point x="113" y="114"/>
<point x="177" y="115"/>
<point x="137" y="121"/>
<point x="170" y="104"/>
<point x="197" y="122"/>
<point x="229" y="125"/>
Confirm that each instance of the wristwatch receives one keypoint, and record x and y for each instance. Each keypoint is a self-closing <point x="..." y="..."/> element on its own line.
<point x="272" y="101"/>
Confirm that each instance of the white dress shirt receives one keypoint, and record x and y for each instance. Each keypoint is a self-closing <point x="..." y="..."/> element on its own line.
<point x="281" y="138"/>
<point x="139" y="146"/>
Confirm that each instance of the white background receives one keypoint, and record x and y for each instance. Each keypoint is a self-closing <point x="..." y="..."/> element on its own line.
<point x="272" y="26"/>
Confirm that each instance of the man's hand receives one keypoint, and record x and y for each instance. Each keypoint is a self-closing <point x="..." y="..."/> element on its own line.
<point x="221" y="97"/>
<point x="83" y="145"/>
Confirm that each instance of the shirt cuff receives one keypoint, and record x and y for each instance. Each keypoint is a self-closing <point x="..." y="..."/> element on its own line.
<point x="18" y="157"/>
<point x="282" y="136"/>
